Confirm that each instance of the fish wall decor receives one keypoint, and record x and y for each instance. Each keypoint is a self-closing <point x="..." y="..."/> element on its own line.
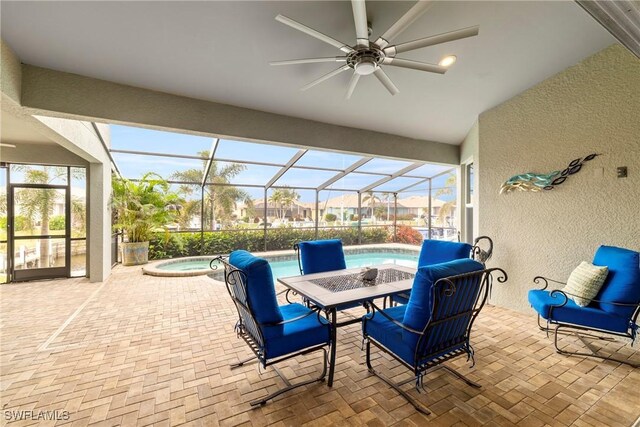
<point x="540" y="181"/>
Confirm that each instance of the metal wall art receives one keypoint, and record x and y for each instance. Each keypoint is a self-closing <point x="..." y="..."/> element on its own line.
<point x="538" y="181"/>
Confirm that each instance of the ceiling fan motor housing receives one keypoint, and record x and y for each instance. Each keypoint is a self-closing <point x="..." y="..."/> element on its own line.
<point x="365" y="61"/>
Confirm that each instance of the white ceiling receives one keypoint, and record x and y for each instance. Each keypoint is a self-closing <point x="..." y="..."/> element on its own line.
<point x="219" y="51"/>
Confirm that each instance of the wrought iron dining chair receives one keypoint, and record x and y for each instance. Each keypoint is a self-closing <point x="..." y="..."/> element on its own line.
<point x="439" y="251"/>
<point x="273" y="332"/>
<point x="435" y="325"/>
<point x="319" y="256"/>
<point x="613" y="312"/>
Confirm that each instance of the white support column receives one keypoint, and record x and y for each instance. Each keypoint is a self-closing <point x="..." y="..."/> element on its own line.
<point x="99" y="222"/>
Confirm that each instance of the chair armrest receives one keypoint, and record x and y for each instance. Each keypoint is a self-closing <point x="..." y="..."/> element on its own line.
<point x="392" y="320"/>
<point x="546" y="281"/>
<point x="295" y="319"/>
<point x="619" y="304"/>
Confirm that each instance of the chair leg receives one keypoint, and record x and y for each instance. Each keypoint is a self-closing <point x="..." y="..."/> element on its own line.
<point x="460" y="376"/>
<point x="290" y="386"/>
<point x="419" y="407"/>
<point x="251" y="359"/>
<point x="594" y="352"/>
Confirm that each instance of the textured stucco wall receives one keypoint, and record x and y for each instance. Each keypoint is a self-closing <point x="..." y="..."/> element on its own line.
<point x="10" y="74"/>
<point x="50" y="92"/>
<point x="593" y="106"/>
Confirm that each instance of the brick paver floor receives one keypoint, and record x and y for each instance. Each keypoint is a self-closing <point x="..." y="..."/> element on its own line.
<point x="140" y="350"/>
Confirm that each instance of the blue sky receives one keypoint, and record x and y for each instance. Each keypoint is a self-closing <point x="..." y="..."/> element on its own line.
<point x="145" y="140"/>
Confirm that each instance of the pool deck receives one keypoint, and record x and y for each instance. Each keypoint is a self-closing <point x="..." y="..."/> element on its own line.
<point x="153" y="268"/>
<point x="143" y="350"/>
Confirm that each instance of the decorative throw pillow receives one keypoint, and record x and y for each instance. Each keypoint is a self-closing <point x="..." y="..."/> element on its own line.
<point x="585" y="282"/>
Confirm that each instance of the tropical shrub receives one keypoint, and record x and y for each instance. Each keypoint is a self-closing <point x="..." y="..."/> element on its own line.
<point x="57" y="223"/>
<point x="409" y="235"/>
<point x="140" y="207"/>
<point x="330" y="217"/>
<point x="172" y="245"/>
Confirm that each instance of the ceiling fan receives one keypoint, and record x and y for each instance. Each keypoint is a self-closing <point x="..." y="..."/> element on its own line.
<point x="368" y="57"/>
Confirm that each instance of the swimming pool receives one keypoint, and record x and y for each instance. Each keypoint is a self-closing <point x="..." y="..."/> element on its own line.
<point x="290" y="268"/>
<point x="283" y="265"/>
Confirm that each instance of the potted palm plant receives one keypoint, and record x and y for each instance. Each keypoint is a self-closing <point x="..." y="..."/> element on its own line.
<point x="140" y="209"/>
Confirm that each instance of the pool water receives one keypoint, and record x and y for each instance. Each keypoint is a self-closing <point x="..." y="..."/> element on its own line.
<point x="186" y="265"/>
<point x="290" y="268"/>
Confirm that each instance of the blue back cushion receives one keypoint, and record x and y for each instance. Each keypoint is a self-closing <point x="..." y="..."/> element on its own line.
<point x="439" y="251"/>
<point x="623" y="281"/>
<point x="319" y="256"/>
<point x="419" y="306"/>
<point x="261" y="292"/>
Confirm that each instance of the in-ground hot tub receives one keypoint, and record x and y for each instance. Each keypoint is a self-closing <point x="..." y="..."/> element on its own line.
<point x="180" y="267"/>
<point x="284" y="263"/>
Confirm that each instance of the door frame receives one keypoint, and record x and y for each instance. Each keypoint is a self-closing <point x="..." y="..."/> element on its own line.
<point x="38" y="273"/>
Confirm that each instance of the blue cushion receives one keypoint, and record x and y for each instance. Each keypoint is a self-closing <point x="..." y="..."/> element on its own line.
<point x="623" y="281"/>
<point x="589" y="316"/>
<point x="439" y="251"/>
<point x="318" y="256"/>
<point x="436" y="252"/>
<point x="297" y="335"/>
<point x="261" y="291"/>
<point x="322" y="255"/>
<point x="390" y="335"/>
<point x="419" y="307"/>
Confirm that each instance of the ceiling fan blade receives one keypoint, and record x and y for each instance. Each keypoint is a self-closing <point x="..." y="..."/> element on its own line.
<point x="432" y="40"/>
<point x="360" y="18"/>
<point x="313" y="33"/>
<point x="352" y="85"/>
<point x="386" y="81"/>
<point x="325" y="77"/>
<point x="415" y="65"/>
<point x="403" y="23"/>
<point x="309" y="60"/>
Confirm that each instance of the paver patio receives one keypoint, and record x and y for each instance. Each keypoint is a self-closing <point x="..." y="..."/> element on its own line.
<point x="141" y="350"/>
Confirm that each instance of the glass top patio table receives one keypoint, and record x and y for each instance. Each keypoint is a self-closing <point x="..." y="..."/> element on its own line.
<point x="334" y="288"/>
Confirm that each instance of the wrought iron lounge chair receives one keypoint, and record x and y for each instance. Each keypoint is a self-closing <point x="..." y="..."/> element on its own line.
<point x="273" y="333"/>
<point x="613" y="312"/>
<point x="435" y="325"/>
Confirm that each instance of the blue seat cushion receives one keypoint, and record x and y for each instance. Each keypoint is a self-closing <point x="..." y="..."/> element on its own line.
<point x="623" y="281"/>
<point x="322" y="255"/>
<point x="439" y="251"/>
<point x="419" y="306"/>
<point x="297" y="335"/>
<point x="390" y="335"/>
<point x="261" y="292"/>
<point x="591" y="317"/>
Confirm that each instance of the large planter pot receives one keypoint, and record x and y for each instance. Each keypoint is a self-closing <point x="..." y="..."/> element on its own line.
<point x="135" y="253"/>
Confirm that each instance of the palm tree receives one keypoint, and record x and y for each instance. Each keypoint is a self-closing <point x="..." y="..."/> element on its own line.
<point x="448" y="208"/>
<point x="284" y="198"/>
<point x="371" y="197"/>
<point x="219" y="200"/>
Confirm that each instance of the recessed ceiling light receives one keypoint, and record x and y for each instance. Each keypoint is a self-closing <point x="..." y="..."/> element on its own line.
<point x="4" y="144"/>
<point x="447" y="61"/>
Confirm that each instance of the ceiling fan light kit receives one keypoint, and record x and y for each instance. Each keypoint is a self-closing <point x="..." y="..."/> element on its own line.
<point x="366" y="57"/>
